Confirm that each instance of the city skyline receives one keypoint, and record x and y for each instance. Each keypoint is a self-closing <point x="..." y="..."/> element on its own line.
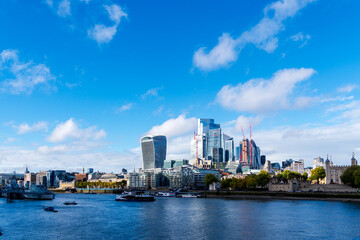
<point x="82" y="82"/>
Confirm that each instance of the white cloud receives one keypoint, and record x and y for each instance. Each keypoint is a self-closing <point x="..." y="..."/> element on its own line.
<point x="49" y="2"/>
<point x="158" y="111"/>
<point x="262" y="35"/>
<point x="175" y="126"/>
<point x="125" y="107"/>
<point x="64" y="8"/>
<point x="244" y="123"/>
<point x="65" y="157"/>
<point x="305" y="102"/>
<point x="300" y="37"/>
<point x="25" y="76"/>
<point x="104" y="34"/>
<point x="261" y="95"/>
<point x="347" y="89"/>
<point x="336" y="99"/>
<point x="220" y="56"/>
<point x="9" y="140"/>
<point x="152" y="92"/>
<point x="115" y="13"/>
<point x="179" y="147"/>
<point x="26" y="128"/>
<point x="308" y="142"/>
<point x="71" y="130"/>
<point x="178" y="132"/>
<point x="54" y="149"/>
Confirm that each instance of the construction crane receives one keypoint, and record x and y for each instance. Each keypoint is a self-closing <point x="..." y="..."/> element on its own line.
<point x="250" y="146"/>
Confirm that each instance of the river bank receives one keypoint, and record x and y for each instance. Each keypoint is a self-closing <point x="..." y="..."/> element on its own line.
<point x="248" y="195"/>
<point x="322" y="196"/>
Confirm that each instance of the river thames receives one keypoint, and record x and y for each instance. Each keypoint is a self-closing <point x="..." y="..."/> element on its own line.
<point x="101" y="217"/>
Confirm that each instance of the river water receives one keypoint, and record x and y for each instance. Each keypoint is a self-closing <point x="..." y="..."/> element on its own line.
<point x="101" y="217"/>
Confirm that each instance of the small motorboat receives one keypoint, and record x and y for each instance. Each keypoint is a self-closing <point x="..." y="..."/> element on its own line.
<point x="50" y="209"/>
<point x="70" y="203"/>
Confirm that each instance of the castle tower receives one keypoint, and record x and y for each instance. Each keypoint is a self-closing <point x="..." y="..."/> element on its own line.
<point x="353" y="160"/>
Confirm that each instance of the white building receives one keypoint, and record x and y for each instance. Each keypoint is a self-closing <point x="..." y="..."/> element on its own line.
<point x="318" y="162"/>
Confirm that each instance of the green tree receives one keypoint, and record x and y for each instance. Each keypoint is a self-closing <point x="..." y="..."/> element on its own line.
<point x="123" y="183"/>
<point x="262" y="178"/>
<point x="351" y="176"/>
<point x="304" y="176"/>
<point x="225" y="184"/>
<point x="251" y="182"/>
<point x="210" y="178"/>
<point x="286" y="175"/>
<point x="318" y="174"/>
<point x="357" y="178"/>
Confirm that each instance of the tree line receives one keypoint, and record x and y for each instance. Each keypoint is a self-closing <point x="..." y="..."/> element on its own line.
<point x="100" y="184"/>
<point x="249" y="182"/>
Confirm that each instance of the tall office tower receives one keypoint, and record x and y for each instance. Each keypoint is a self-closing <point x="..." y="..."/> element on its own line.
<point x="250" y="156"/>
<point x="153" y="151"/>
<point x="214" y="141"/>
<point x="263" y="160"/>
<point x="237" y="153"/>
<point x="245" y="152"/>
<point x="217" y="155"/>
<point x="229" y="148"/>
<point x="204" y="125"/>
<point x="256" y="162"/>
<point x="199" y="143"/>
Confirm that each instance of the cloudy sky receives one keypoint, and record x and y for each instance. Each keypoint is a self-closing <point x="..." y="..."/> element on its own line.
<point x="82" y="80"/>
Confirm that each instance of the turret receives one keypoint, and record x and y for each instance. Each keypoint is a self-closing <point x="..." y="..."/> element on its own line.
<point x="353" y="160"/>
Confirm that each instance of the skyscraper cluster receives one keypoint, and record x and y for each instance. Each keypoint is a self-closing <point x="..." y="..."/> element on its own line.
<point x="211" y="143"/>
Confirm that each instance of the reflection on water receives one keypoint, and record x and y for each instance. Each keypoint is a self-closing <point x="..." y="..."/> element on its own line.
<point x="100" y="217"/>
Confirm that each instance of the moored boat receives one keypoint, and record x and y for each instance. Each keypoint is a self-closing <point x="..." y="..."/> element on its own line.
<point x="165" y="194"/>
<point x="134" y="197"/>
<point x="188" y="195"/>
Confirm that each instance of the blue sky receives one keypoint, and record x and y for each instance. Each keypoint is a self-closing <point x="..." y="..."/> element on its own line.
<point x="82" y="81"/>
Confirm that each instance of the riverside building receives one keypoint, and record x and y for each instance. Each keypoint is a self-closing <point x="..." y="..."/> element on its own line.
<point x="334" y="172"/>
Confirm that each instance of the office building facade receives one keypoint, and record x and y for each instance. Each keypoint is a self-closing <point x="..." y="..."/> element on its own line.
<point x="211" y="140"/>
<point x="153" y="151"/>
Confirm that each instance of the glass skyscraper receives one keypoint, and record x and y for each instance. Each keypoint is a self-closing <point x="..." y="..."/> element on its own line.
<point x="211" y="143"/>
<point x="229" y="148"/>
<point x="153" y="151"/>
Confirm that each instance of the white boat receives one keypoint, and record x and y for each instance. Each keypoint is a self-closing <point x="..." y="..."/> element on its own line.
<point x="188" y="195"/>
<point x="165" y="194"/>
<point x="134" y="197"/>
